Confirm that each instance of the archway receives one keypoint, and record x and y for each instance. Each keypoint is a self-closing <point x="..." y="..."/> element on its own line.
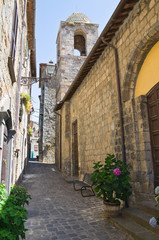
<point x="137" y="59"/>
<point x="148" y="84"/>
<point x="149" y="74"/>
<point x="6" y="153"/>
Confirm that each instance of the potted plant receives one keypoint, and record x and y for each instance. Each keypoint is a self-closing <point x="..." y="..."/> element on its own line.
<point x="154" y="221"/>
<point x="111" y="181"/>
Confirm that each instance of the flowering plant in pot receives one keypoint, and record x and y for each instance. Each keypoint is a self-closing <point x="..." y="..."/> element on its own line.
<point x="111" y="180"/>
<point x="154" y="221"/>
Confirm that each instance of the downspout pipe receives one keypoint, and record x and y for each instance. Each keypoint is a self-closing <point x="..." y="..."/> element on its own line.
<point x="119" y="99"/>
<point x="60" y="138"/>
<point x="119" y="104"/>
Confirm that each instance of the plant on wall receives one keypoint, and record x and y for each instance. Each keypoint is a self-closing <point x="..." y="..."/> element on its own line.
<point x="29" y="131"/>
<point x="26" y="100"/>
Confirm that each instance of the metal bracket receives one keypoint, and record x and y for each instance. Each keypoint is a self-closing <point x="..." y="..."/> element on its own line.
<point x="26" y="81"/>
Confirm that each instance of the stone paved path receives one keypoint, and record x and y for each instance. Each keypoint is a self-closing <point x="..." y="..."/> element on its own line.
<point x="57" y="212"/>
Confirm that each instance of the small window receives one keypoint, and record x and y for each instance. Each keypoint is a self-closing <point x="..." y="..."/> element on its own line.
<point x="14" y="33"/>
<point x="80" y="45"/>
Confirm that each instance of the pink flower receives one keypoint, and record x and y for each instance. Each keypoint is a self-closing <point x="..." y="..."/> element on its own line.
<point x="117" y="172"/>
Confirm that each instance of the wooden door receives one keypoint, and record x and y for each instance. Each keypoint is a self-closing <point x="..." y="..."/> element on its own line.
<point x="153" y="110"/>
<point x="4" y="155"/>
<point x="75" y="148"/>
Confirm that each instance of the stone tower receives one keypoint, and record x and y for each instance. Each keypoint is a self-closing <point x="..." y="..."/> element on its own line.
<point x="76" y="37"/>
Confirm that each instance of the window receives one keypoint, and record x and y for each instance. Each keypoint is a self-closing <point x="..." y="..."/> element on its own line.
<point x="79" y="43"/>
<point x="11" y="58"/>
<point x="35" y="147"/>
<point x="14" y="33"/>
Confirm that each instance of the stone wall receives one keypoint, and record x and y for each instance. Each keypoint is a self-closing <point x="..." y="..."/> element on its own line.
<point x="10" y="90"/>
<point x="47" y="116"/>
<point x="68" y="64"/>
<point x="95" y="103"/>
<point x="65" y="77"/>
<point x="49" y="122"/>
<point x="138" y="146"/>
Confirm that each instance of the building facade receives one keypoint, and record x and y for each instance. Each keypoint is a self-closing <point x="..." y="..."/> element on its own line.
<point x="112" y="104"/>
<point x="17" y="60"/>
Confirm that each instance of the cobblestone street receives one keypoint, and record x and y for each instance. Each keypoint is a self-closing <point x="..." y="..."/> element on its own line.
<point x="57" y="212"/>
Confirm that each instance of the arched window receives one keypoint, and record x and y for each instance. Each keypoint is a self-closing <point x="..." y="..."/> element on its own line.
<point x="79" y="44"/>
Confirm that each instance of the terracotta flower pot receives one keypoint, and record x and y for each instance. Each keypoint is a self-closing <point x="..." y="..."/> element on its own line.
<point x="111" y="209"/>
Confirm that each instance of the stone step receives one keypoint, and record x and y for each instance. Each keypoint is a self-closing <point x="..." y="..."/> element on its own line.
<point x="133" y="229"/>
<point x="149" y="207"/>
<point x="140" y="217"/>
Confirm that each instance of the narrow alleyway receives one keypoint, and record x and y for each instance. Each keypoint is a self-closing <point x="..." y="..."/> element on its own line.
<point x="57" y="212"/>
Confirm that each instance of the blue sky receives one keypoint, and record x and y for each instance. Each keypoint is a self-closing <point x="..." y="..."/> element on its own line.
<point x="49" y="13"/>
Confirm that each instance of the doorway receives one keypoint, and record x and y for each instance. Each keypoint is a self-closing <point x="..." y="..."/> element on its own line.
<point x="75" y="149"/>
<point x="153" y="111"/>
<point x="4" y="155"/>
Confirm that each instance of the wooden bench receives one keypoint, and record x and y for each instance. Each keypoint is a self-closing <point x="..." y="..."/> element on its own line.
<point x="84" y="185"/>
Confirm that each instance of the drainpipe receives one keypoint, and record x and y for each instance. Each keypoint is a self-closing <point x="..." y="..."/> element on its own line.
<point x="60" y="138"/>
<point x="119" y="104"/>
<point x="119" y="99"/>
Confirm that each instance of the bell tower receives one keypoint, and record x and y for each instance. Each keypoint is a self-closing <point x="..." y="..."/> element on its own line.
<point x="76" y="37"/>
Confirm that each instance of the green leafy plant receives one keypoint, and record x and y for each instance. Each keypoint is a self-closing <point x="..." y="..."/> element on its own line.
<point x="29" y="131"/>
<point x="13" y="213"/>
<point x="111" y="180"/>
<point x="20" y="195"/>
<point x="154" y="221"/>
<point x="26" y="99"/>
